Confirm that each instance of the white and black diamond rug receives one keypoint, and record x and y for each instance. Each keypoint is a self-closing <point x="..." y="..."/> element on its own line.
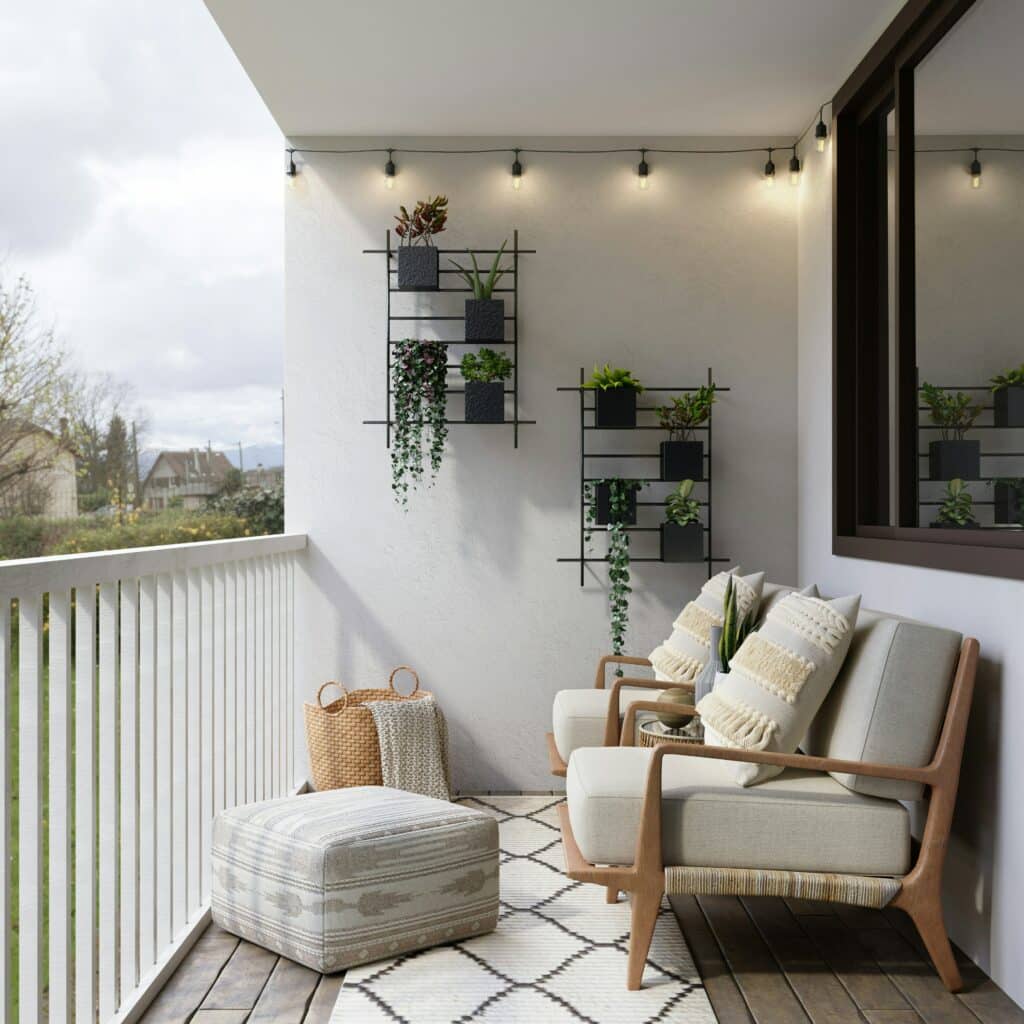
<point x="558" y="954"/>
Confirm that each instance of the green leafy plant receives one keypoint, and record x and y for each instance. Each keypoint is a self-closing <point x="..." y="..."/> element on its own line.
<point x="1011" y="379"/>
<point x="485" y="366"/>
<point x="680" y="508"/>
<point x="419" y="383"/>
<point x="428" y="218"/>
<point x="619" y="493"/>
<point x="482" y="287"/>
<point x="735" y="627"/>
<point x="607" y="377"/>
<point x="953" y="413"/>
<point x="957" y="508"/>
<point x="687" y="412"/>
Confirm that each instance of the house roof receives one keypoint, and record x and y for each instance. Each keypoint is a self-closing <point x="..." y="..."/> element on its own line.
<point x="195" y="464"/>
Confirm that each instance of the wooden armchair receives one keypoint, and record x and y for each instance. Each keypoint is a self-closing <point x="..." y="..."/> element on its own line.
<point x="918" y="891"/>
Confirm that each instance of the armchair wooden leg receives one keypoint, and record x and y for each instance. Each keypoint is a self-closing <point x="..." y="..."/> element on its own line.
<point x="611" y="894"/>
<point x="644" y="906"/>
<point x="927" y="918"/>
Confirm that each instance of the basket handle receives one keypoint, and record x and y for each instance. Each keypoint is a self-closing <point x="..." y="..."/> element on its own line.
<point x="344" y="694"/>
<point x="412" y="672"/>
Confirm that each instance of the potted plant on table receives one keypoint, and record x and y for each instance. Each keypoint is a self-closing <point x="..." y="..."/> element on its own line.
<point x="954" y="414"/>
<point x="615" y="391"/>
<point x="682" y="533"/>
<point x="682" y="457"/>
<point x="957" y="509"/>
<point x="417" y="255"/>
<point x="1008" y="397"/>
<point x="485" y="315"/>
<point x="419" y="381"/>
<point x="485" y="373"/>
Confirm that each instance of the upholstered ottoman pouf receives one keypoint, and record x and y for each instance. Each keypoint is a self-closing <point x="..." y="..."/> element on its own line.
<point x="347" y="876"/>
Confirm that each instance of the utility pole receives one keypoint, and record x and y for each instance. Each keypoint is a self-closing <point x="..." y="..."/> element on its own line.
<point x="137" y="497"/>
<point x="241" y="461"/>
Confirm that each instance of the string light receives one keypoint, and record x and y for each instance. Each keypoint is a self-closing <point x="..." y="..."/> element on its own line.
<point x="820" y="132"/>
<point x="291" y="170"/>
<point x="794" y="168"/>
<point x="642" y="171"/>
<point x="389" y="172"/>
<point x="769" y="170"/>
<point x="975" y="171"/>
<point x="517" y="173"/>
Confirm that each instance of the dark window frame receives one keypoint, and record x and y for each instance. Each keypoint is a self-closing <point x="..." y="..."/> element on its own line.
<point x="884" y="80"/>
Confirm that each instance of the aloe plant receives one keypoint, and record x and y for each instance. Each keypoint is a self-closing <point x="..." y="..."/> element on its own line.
<point x="482" y="288"/>
<point x="607" y="378"/>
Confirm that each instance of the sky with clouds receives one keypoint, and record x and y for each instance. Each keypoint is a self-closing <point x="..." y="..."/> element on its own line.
<point x="142" y="193"/>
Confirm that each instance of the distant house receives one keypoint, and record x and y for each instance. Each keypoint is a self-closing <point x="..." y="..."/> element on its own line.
<point x="263" y="476"/>
<point x="48" y="484"/>
<point x="193" y="476"/>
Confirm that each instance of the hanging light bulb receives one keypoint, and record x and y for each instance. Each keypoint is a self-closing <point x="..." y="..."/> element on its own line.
<point x="642" y="171"/>
<point x="389" y="172"/>
<point x="291" y="170"/>
<point x="517" y="173"/>
<point x="975" y="171"/>
<point x="794" y="168"/>
<point x="820" y="132"/>
<point x="769" y="171"/>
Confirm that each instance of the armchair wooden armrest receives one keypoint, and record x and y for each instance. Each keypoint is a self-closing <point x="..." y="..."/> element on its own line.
<point x="611" y="726"/>
<point x="616" y="659"/>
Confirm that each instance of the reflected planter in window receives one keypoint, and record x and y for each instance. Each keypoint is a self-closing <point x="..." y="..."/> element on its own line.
<point x="948" y="460"/>
<point x="616" y="408"/>
<point x="1007" y="504"/>
<point x="485" y="319"/>
<point x="604" y="506"/>
<point x="485" y="401"/>
<point x="954" y="526"/>
<point x="417" y="268"/>
<point x="1009" y="406"/>
<point x="682" y="543"/>
<point x="682" y="460"/>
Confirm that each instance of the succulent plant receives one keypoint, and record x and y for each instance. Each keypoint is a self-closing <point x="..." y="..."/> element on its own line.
<point x="482" y="288"/>
<point x="608" y="377"/>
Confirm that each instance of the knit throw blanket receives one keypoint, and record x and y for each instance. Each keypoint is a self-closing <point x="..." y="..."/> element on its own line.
<point x="413" y="746"/>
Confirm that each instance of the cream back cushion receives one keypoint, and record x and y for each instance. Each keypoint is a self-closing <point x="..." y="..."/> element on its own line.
<point x="779" y="678"/>
<point x="682" y="656"/>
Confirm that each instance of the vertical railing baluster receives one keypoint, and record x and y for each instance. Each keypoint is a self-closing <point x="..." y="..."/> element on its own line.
<point x="259" y="636"/>
<point x="207" y="726"/>
<point x="194" y="741"/>
<point x="129" y="834"/>
<point x="179" y="752"/>
<point x="295" y="744"/>
<point x="61" y="705"/>
<point x="108" y="845"/>
<point x="222" y="750"/>
<point x="266" y="683"/>
<point x="6" y="781"/>
<point x="85" y="803"/>
<point x="241" y="704"/>
<point x="251" y="657"/>
<point x="166" y="716"/>
<point x="274" y="566"/>
<point x="147" y="773"/>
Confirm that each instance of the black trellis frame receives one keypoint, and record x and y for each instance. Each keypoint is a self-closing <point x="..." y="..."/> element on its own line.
<point x="391" y="265"/>
<point x="710" y="559"/>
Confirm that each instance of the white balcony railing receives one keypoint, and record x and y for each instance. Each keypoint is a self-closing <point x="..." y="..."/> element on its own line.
<point x="154" y="687"/>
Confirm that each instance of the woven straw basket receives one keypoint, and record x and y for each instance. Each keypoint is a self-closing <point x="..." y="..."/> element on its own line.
<point x="342" y="739"/>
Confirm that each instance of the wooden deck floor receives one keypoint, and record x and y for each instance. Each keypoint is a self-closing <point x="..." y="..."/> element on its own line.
<point x="763" y="961"/>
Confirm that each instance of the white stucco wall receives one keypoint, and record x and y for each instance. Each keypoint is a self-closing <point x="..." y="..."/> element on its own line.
<point x="699" y="270"/>
<point x="984" y="886"/>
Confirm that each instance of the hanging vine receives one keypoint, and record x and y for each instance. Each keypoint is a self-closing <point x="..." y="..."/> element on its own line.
<point x="619" y="493"/>
<point x="419" y="385"/>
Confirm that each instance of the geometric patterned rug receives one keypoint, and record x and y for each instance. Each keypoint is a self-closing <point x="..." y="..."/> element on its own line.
<point x="558" y="955"/>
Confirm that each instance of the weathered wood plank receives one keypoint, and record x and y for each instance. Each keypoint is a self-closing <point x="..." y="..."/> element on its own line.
<point x="286" y="995"/>
<point x="242" y="980"/>
<point x="823" y="997"/>
<point x="892" y="1017"/>
<point x="326" y="995"/>
<point x="220" y="1017"/>
<point x="855" y="967"/>
<point x="763" y="985"/>
<point x="726" y="998"/>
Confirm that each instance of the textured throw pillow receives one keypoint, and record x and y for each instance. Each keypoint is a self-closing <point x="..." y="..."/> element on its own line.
<point x="682" y="656"/>
<point x="778" y="679"/>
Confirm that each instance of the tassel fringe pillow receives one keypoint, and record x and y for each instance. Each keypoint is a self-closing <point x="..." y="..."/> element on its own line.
<point x="682" y="656"/>
<point x="778" y="679"/>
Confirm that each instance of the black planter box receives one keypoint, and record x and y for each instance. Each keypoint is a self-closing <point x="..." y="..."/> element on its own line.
<point x="616" y="407"/>
<point x="604" y="506"/>
<point x="682" y="460"/>
<point x="485" y="319"/>
<point x="948" y="460"/>
<point x="417" y="268"/>
<point x="485" y="401"/>
<point x="682" y="543"/>
<point x="1007" y="504"/>
<point x="1009" y="406"/>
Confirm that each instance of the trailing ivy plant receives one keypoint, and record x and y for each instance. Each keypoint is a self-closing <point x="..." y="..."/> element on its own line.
<point x="953" y="414"/>
<point x="486" y="366"/>
<point x="680" y="508"/>
<point x="957" y="508"/>
<point x="1011" y="379"/>
<point x="619" y="493"/>
<point x="419" y="384"/>
<point x="687" y="412"/>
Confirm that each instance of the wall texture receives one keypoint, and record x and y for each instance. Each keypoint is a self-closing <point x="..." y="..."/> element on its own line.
<point x="984" y="885"/>
<point x="699" y="270"/>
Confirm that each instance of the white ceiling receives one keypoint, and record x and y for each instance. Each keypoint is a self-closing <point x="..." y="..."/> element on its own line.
<point x="548" y="67"/>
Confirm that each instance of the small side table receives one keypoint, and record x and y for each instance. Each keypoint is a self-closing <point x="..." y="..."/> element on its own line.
<point x="653" y="732"/>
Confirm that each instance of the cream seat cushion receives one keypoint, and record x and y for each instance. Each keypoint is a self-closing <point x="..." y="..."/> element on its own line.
<point x="797" y="821"/>
<point x="579" y="716"/>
